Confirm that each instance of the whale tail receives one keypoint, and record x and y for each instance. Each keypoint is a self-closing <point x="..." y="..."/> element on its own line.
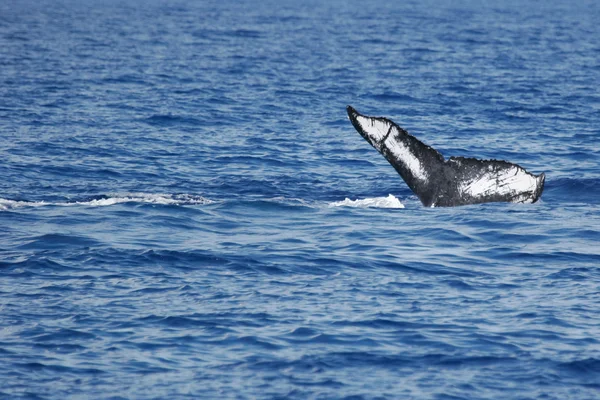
<point x="442" y="183"/>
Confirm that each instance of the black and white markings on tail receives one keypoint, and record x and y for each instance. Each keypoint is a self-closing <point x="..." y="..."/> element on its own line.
<point x="445" y="183"/>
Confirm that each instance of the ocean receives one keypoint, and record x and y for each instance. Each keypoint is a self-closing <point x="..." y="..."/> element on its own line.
<point x="187" y="212"/>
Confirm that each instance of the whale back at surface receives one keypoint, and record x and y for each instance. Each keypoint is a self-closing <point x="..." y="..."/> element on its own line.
<point x="437" y="182"/>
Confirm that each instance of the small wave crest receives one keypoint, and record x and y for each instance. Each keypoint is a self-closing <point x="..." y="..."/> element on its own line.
<point x="162" y="199"/>
<point x="376" y="202"/>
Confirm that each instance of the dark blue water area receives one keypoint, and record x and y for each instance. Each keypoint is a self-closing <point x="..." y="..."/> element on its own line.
<point x="173" y="213"/>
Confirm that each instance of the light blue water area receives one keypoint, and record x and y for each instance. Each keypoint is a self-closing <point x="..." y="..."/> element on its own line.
<point x="173" y="213"/>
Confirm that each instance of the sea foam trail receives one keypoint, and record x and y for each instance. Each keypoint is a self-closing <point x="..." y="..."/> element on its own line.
<point x="377" y="202"/>
<point x="163" y="199"/>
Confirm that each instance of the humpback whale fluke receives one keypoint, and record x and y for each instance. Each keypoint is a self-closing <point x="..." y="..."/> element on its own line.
<point x="445" y="183"/>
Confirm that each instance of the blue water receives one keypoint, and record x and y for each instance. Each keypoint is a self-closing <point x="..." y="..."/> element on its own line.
<point x="173" y="213"/>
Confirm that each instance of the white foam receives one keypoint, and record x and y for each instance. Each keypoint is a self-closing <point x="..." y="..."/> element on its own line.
<point x="377" y="202"/>
<point x="6" y="204"/>
<point x="163" y="199"/>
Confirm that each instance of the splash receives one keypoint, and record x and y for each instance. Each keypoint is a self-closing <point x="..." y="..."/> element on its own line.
<point x="376" y="202"/>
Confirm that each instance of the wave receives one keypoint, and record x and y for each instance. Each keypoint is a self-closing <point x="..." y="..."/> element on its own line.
<point x="376" y="202"/>
<point x="162" y="199"/>
<point x="581" y="190"/>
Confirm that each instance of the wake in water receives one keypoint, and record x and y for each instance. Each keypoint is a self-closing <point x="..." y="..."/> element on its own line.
<point x="183" y="199"/>
<point x="376" y="202"/>
<point x="162" y="199"/>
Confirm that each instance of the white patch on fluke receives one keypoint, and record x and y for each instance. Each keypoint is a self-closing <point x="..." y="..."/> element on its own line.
<point x="376" y="129"/>
<point x="511" y="180"/>
<point x="403" y="153"/>
<point x="376" y="202"/>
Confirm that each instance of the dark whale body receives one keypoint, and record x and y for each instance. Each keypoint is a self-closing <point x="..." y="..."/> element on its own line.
<point x="445" y="183"/>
